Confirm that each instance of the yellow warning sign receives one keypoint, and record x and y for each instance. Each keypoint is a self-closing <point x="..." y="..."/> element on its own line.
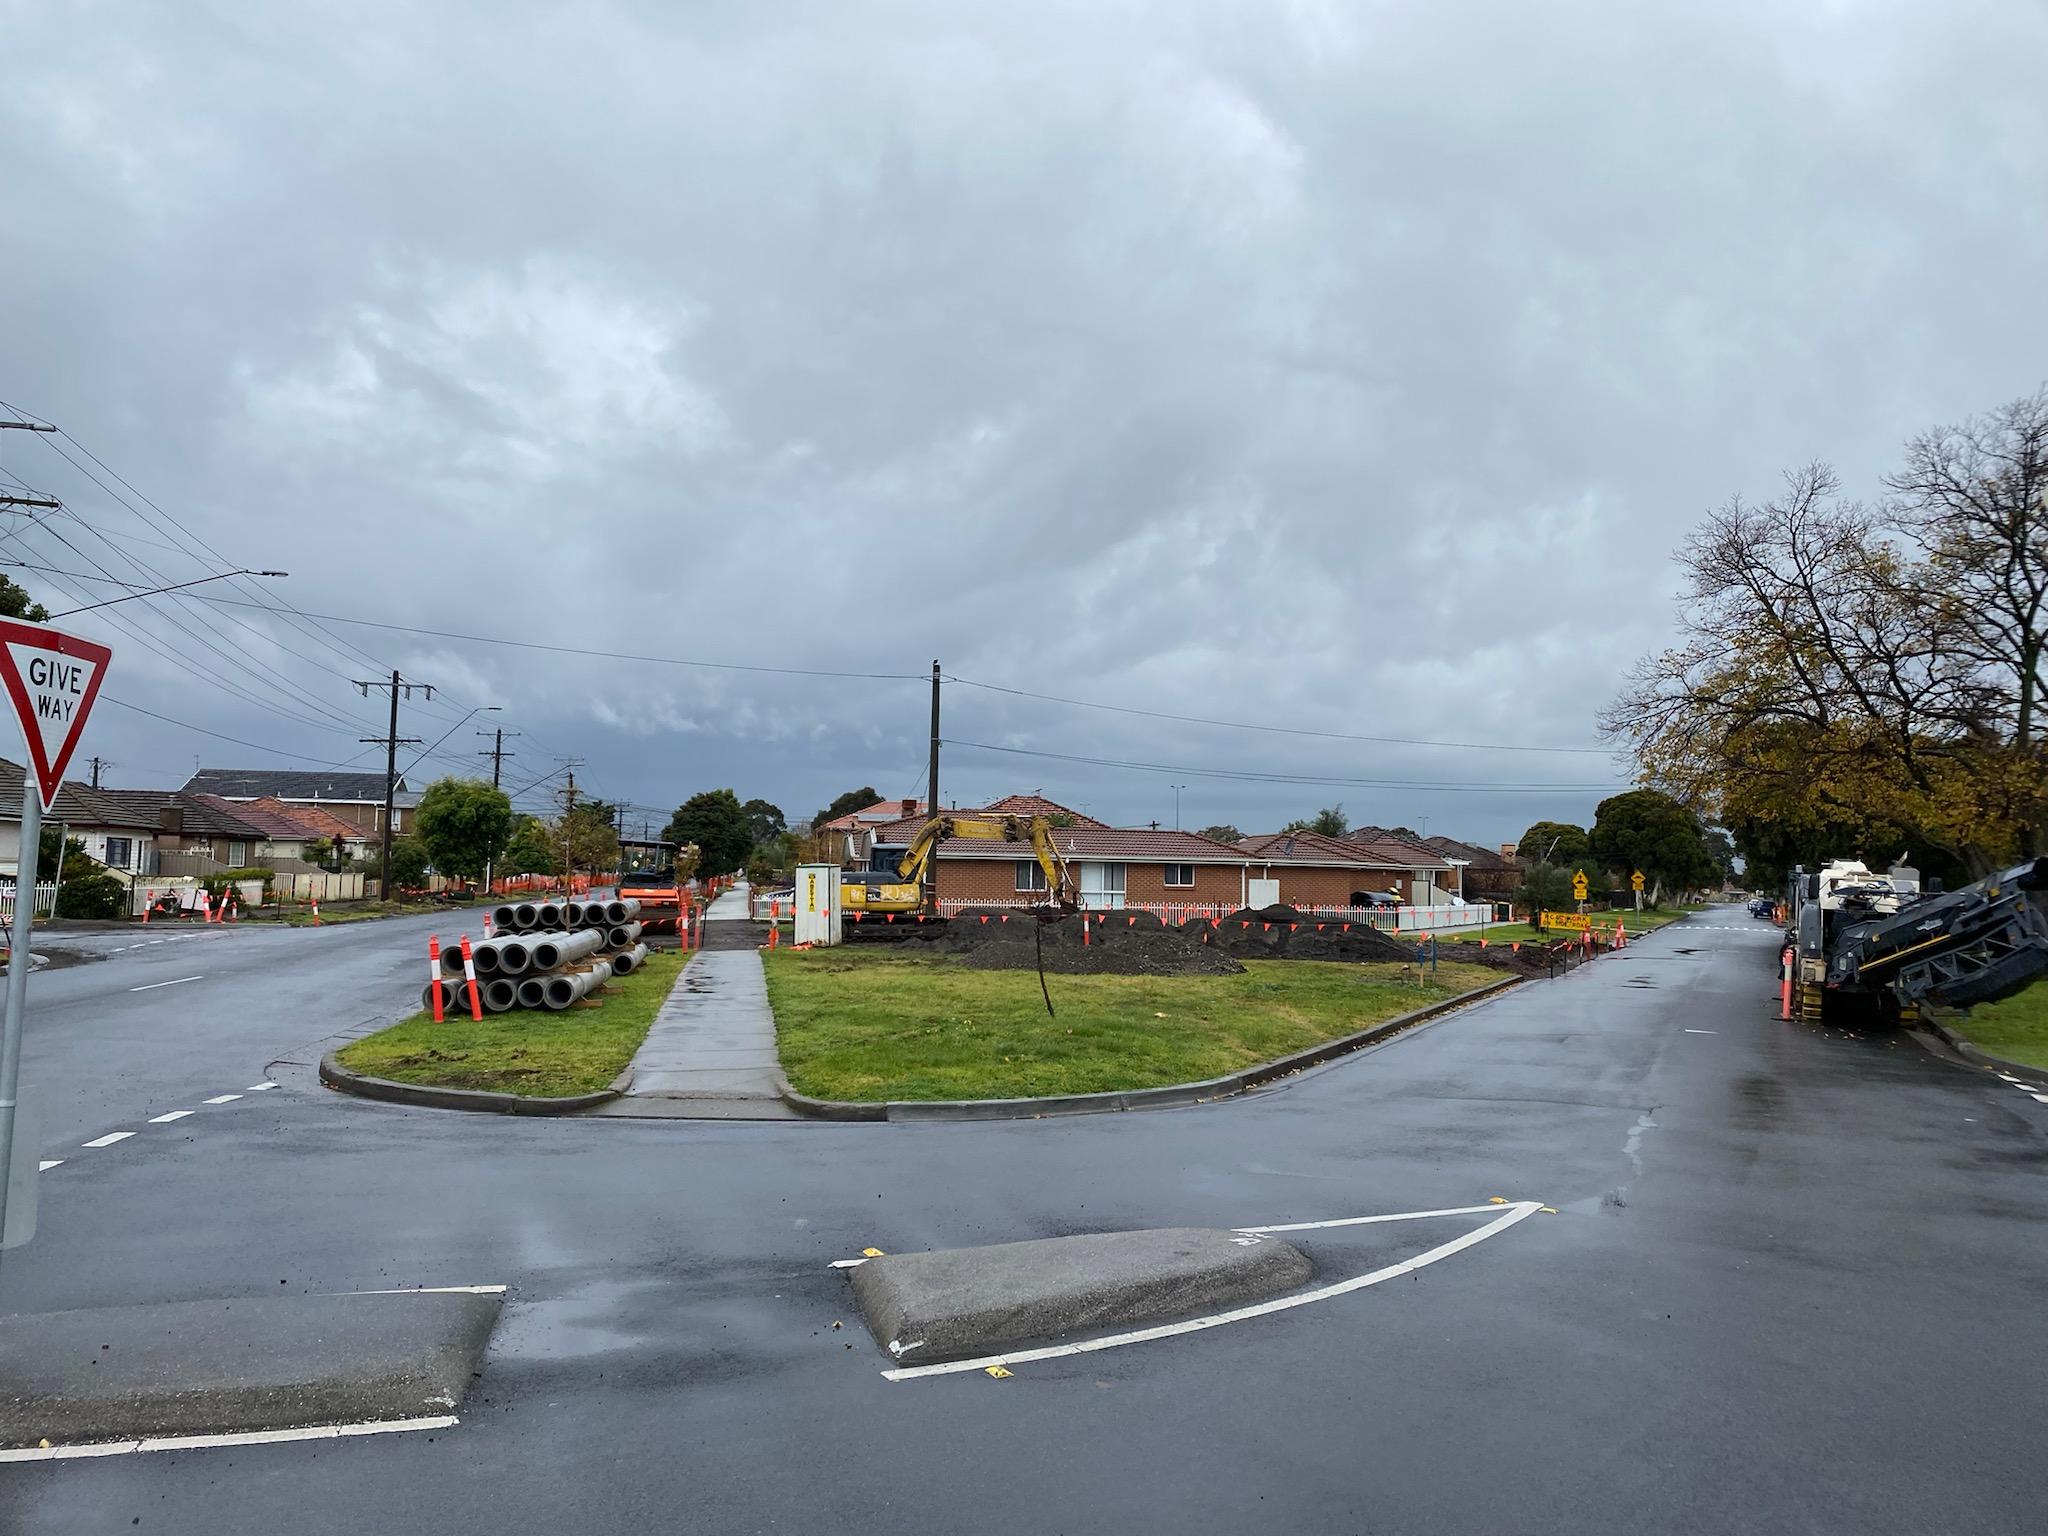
<point x="1577" y="921"/>
<point x="1579" y="885"/>
<point x="1636" y="880"/>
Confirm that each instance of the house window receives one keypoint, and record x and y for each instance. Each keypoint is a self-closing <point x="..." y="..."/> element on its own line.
<point x="1180" y="874"/>
<point x="119" y="851"/>
<point x="1029" y="876"/>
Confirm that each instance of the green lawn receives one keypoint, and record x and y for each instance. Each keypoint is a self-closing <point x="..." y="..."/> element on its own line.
<point x="539" y="1054"/>
<point x="875" y="1026"/>
<point x="2016" y="1029"/>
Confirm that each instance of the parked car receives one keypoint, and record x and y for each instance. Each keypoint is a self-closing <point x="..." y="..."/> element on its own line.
<point x="1762" y="906"/>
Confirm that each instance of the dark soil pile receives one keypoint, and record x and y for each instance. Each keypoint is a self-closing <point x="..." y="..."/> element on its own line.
<point x="1282" y="933"/>
<point x="1117" y="946"/>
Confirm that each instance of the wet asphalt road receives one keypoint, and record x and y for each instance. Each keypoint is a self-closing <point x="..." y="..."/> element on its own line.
<point x="1797" y="1281"/>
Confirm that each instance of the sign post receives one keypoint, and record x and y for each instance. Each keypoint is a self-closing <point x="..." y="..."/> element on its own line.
<point x="51" y="680"/>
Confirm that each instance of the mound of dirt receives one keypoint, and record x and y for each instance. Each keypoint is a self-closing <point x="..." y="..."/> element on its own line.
<point x="1282" y="933"/>
<point x="1115" y="947"/>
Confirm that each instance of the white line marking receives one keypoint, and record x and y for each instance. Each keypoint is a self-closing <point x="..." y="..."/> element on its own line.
<point x="848" y="1263"/>
<point x="157" y="941"/>
<point x="221" y="1098"/>
<point x="109" y="1139"/>
<point x="1701" y="1031"/>
<point x="155" y="984"/>
<point x="260" y="1087"/>
<point x="210" y="1442"/>
<point x="434" y="1290"/>
<point x="176" y="1114"/>
<point x="50" y="1162"/>
<point x="2041" y="1098"/>
<point x="1508" y="1216"/>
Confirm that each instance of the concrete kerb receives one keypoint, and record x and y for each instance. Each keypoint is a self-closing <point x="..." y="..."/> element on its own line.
<point x="1175" y="1096"/>
<point x="1977" y="1056"/>
<point x="337" y="1076"/>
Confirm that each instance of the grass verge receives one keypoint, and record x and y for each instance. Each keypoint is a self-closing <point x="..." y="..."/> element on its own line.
<point x="539" y="1054"/>
<point x="876" y="1027"/>
<point x="2016" y="1029"/>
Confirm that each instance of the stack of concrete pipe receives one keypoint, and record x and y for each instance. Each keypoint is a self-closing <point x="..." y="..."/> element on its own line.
<point x="522" y="965"/>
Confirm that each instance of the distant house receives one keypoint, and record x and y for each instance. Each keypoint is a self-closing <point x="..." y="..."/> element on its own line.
<point x="356" y="798"/>
<point x="1487" y="873"/>
<point x="1115" y="866"/>
<point x="1307" y="869"/>
<point x="853" y="833"/>
<point x="119" y="835"/>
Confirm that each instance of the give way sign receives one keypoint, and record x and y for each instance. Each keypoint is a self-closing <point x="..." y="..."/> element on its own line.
<point x="52" y="680"/>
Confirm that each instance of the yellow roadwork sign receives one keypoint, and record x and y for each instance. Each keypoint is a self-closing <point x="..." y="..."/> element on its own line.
<point x="1577" y="921"/>
<point x="1636" y="880"/>
<point x="1579" y="885"/>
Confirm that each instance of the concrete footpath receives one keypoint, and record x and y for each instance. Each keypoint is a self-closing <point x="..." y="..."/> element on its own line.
<point x="711" y="1051"/>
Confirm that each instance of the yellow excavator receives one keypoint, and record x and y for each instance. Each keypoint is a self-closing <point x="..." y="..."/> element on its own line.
<point x="903" y="891"/>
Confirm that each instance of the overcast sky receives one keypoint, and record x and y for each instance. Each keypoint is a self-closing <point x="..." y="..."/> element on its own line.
<point x="1345" y="367"/>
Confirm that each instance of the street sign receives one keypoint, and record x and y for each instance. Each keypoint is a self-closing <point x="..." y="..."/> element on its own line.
<point x="1579" y="885"/>
<point x="1577" y="921"/>
<point x="52" y="680"/>
<point x="1636" y="880"/>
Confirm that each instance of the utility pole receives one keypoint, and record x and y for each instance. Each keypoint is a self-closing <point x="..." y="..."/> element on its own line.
<point x="497" y="755"/>
<point x="97" y="764"/>
<point x="931" y="865"/>
<point x="391" y="742"/>
<point x="569" y="823"/>
<point x="45" y="503"/>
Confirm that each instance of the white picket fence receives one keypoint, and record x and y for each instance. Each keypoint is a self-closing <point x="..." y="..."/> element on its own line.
<point x="45" y="899"/>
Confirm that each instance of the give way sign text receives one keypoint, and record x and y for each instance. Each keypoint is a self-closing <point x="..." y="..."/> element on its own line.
<point x="52" y="680"/>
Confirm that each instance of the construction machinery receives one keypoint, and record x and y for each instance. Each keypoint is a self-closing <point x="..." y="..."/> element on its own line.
<point x="1879" y="938"/>
<point x="660" y="896"/>
<point x="902" y="889"/>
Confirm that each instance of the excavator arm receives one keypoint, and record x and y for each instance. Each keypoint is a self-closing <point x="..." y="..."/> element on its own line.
<point x="905" y="892"/>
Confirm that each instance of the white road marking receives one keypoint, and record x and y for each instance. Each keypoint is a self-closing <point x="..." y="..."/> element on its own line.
<point x="50" y="1162"/>
<point x="260" y="1087"/>
<point x="211" y="1442"/>
<point x="848" y="1263"/>
<point x="2041" y="1098"/>
<point x="434" y="1290"/>
<point x="221" y="1098"/>
<point x="159" y="941"/>
<point x="155" y="984"/>
<point x="1701" y="1031"/>
<point x="1504" y="1217"/>
<point x="109" y="1139"/>
<point x="176" y="1114"/>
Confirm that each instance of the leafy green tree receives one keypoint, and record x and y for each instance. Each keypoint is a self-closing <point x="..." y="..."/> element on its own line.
<point x="529" y="850"/>
<point x="94" y="895"/>
<point x="464" y="824"/>
<point x="1544" y="888"/>
<point x="773" y="862"/>
<point x="1554" y="842"/>
<point x="409" y="862"/>
<point x="1329" y="822"/>
<point x="764" y="821"/>
<point x="78" y="864"/>
<point x="587" y="836"/>
<point x="853" y="800"/>
<point x="1648" y="830"/>
<point x="717" y="823"/>
<point x="15" y="603"/>
<point x="1222" y="832"/>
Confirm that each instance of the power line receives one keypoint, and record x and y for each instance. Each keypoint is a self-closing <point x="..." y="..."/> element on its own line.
<point x="186" y="725"/>
<point x="1264" y="777"/>
<point x="1241" y="725"/>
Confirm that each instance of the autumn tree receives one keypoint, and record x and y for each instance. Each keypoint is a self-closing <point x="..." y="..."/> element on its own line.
<point x="1876" y="670"/>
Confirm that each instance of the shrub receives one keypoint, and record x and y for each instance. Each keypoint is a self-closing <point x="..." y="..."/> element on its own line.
<point x="92" y="896"/>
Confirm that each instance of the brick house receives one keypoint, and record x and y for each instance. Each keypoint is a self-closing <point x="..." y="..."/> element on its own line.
<point x="120" y="836"/>
<point x="1307" y="869"/>
<point x="854" y="832"/>
<point x="1116" y="867"/>
<point x="1487" y="874"/>
<point x="357" y="798"/>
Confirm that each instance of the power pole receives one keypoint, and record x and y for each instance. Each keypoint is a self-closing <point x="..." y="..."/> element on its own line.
<point x="497" y="755"/>
<point x="931" y="866"/>
<point x="568" y="823"/>
<point x="391" y="741"/>
<point x="97" y="764"/>
<point x="44" y="503"/>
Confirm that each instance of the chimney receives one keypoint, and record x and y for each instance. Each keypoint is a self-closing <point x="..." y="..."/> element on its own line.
<point x="909" y="809"/>
<point x="1507" y="850"/>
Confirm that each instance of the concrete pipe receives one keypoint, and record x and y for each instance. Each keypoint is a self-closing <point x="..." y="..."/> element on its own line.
<point x="622" y="911"/>
<point x="506" y="918"/>
<point x="622" y="936"/>
<point x="501" y="994"/>
<point x="451" y="959"/>
<point x="484" y="956"/>
<point x="526" y="917"/>
<point x="630" y="961"/>
<point x="533" y="991"/>
<point x="561" y="949"/>
<point x="515" y="955"/>
<point x="549" y="915"/>
<point x="445" y="988"/>
<point x="565" y="991"/>
<point x="572" y="914"/>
